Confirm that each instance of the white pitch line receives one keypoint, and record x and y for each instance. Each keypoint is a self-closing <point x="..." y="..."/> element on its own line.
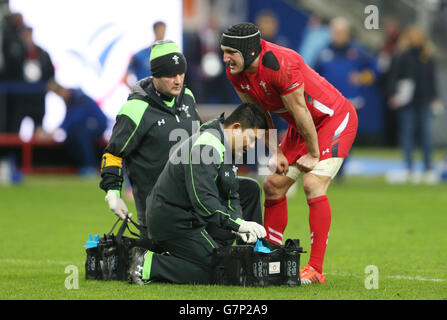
<point x="23" y="261"/>
<point x="66" y="263"/>
<point x="398" y="277"/>
<point x="415" y="278"/>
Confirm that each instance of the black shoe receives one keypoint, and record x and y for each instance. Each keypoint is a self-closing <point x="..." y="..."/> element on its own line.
<point x="135" y="273"/>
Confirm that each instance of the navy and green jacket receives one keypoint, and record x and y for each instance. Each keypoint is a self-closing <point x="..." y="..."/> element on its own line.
<point x="141" y="137"/>
<point x="195" y="192"/>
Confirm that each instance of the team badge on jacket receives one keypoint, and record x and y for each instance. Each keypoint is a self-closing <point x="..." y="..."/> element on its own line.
<point x="185" y="109"/>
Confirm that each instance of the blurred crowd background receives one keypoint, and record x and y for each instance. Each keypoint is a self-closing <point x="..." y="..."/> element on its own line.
<point x="395" y="74"/>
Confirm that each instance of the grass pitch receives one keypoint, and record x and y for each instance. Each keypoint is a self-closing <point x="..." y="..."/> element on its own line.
<point x="399" y="229"/>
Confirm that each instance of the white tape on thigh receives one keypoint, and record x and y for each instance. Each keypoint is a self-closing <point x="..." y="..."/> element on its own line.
<point x="294" y="173"/>
<point x="328" y="167"/>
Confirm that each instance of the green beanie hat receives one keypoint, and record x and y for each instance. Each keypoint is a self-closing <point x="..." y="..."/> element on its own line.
<point x="166" y="59"/>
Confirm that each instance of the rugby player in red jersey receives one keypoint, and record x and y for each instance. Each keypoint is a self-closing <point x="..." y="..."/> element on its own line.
<point x="322" y="128"/>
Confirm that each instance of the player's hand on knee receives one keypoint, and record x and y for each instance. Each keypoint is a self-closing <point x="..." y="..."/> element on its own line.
<point x="255" y="230"/>
<point x="278" y="163"/>
<point x="117" y="205"/>
<point x="307" y="162"/>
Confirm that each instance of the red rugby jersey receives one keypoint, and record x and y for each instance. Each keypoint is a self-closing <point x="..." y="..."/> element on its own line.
<point x="280" y="72"/>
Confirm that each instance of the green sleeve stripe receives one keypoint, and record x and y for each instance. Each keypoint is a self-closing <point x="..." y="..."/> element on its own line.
<point x="209" y="139"/>
<point x="229" y="205"/>
<point x="238" y="221"/>
<point x="127" y="142"/>
<point x="189" y="93"/>
<point x="134" y="109"/>
<point x="209" y="241"/>
<point x="193" y="186"/>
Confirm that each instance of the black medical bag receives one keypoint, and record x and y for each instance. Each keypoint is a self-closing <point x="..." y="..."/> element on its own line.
<point x="242" y="265"/>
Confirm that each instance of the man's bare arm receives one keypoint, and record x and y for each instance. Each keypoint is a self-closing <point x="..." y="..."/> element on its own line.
<point x="296" y="105"/>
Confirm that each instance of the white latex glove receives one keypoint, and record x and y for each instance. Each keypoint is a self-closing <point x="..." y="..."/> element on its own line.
<point x="246" y="237"/>
<point x="255" y="230"/>
<point x="116" y="204"/>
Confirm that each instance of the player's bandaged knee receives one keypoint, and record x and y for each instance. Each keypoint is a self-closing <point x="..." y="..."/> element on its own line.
<point x="328" y="167"/>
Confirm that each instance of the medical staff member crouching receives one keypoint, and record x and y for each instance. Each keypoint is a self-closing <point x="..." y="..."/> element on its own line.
<point x="198" y="186"/>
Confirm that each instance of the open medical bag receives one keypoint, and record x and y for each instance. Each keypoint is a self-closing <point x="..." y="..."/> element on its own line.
<point x="108" y="257"/>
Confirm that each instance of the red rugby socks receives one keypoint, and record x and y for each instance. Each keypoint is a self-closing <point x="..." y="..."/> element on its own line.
<point x="319" y="222"/>
<point x="275" y="219"/>
<point x="275" y="222"/>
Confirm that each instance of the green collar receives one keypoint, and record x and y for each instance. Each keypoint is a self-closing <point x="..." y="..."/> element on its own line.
<point x="171" y="103"/>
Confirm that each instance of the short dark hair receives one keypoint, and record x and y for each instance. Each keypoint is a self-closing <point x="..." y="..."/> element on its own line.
<point x="158" y="24"/>
<point x="249" y="115"/>
<point x="267" y="13"/>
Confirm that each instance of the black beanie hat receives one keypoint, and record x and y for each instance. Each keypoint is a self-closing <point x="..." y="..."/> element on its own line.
<point x="166" y="59"/>
<point x="244" y="37"/>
